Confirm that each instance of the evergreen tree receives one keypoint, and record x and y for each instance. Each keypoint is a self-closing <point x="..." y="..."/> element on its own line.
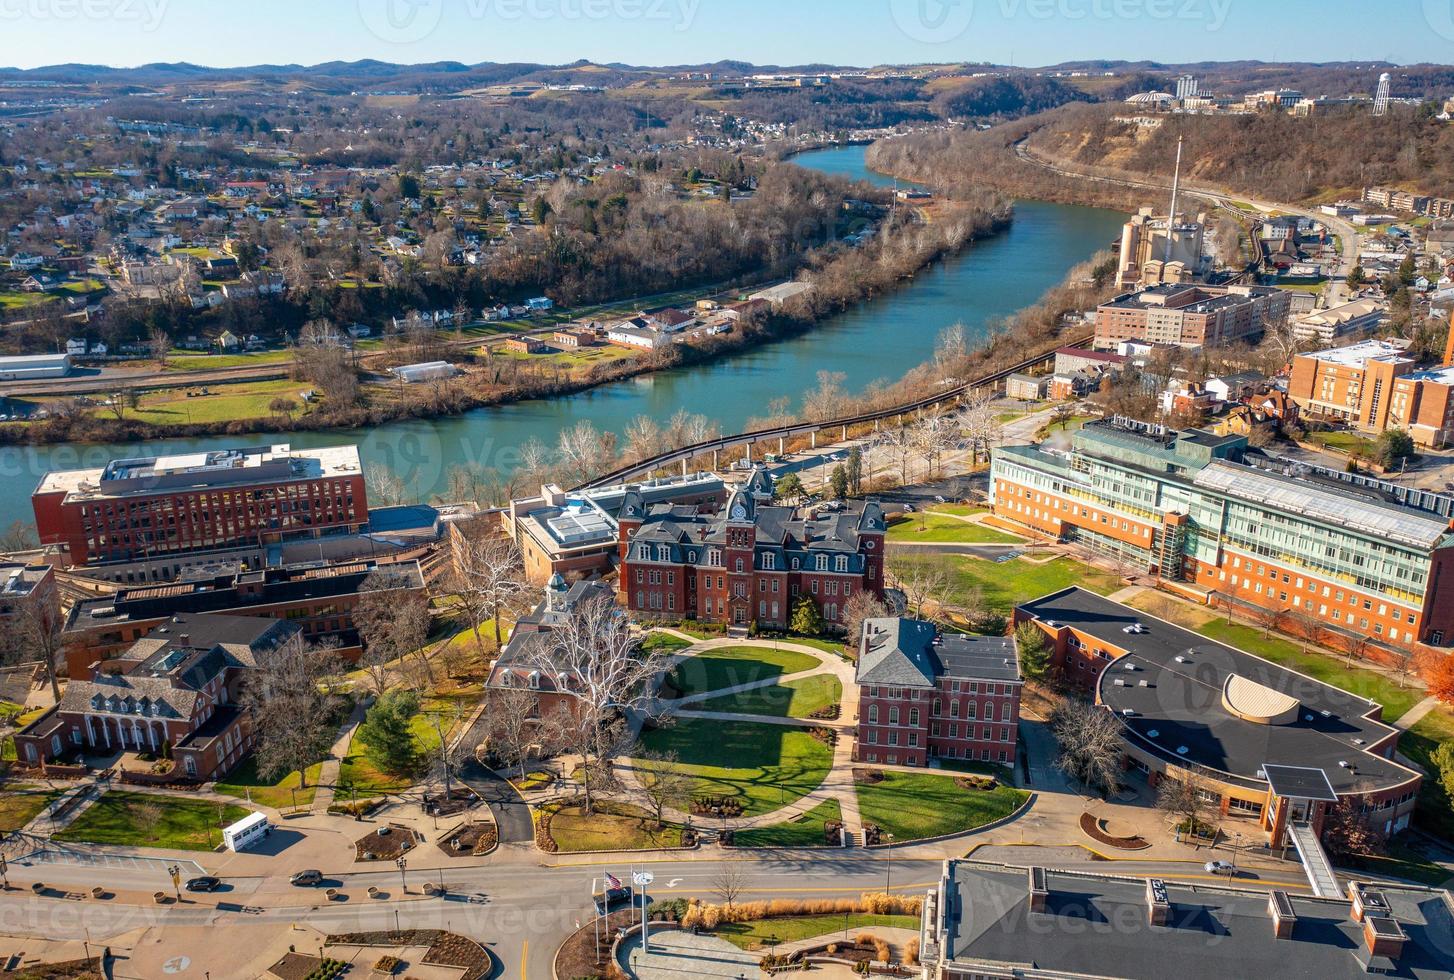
<point x="807" y="620"/>
<point x="385" y="732"/>
<point x="838" y="480"/>
<point x="1034" y="651"/>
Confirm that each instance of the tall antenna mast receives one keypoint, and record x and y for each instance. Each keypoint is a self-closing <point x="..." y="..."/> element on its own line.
<point x="1171" y="216"/>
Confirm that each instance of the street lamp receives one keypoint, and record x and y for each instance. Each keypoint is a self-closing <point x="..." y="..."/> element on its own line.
<point x="402" y="864"/>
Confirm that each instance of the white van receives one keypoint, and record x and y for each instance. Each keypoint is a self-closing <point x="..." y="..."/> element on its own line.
<point x="246" y="832"/>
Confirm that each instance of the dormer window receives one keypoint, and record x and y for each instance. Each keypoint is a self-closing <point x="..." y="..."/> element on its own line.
<point x="795" y="564"/>
<point x="822" y="563"/>
<point x="642" y="552"/>
<point x="661" y="552"/>
<point x="769" y="560"/>
<point x="714" y="557"/>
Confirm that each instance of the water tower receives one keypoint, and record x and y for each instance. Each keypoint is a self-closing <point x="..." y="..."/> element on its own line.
<point x="1380" y="98"/>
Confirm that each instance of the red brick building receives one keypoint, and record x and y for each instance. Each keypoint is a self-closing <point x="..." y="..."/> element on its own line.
<point x="750" y="563"/>
<point x="925" y="695"/>
<point x="148" y="507"/>
<point x="518" y="666"/>
<point x="174" y="694"/>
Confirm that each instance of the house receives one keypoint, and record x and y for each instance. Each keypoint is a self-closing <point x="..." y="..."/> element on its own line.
<point x="1234" y="387"/>
<point x="173" y="694"/>
<point x="526" y="345"/>
<point x="519" y="665"/>
<point x="539" y="304"/>
<point x="638" y="337"/>
<point x="1026" y="387"/>
<point x="575" y="337"/>
<point x="76" y="346"/>
<point x="927" y="695"/>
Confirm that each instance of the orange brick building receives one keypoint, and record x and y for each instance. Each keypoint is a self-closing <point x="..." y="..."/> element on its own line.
<point x="1376" y="386"/>
<point x="1359" y="560"/>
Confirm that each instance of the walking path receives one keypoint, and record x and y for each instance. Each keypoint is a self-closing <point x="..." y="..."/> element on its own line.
<point x="1416" y="714"/>
<point x="79" y="800"/>
<point x="329" y="771"/>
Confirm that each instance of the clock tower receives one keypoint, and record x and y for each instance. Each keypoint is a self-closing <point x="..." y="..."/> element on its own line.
<point x="739" y="540"/>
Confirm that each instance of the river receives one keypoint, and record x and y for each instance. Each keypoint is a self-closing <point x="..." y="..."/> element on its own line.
<point x="880" y="339"/>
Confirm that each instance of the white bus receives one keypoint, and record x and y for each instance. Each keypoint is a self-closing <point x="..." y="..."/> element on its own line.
<point x="246" y="832"/>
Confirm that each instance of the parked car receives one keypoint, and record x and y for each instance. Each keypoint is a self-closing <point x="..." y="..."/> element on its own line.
<point x="205" y="883"/>
<point x="612" y="897"/>
<point x="312" y="876"/>
<point x="1221" y="868"/>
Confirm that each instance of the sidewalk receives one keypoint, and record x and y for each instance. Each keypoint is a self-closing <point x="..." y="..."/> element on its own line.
<point x="328" y="772"/>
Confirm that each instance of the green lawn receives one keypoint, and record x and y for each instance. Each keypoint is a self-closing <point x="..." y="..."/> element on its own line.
<point x="119" y="817"/>
<point x="791" y="699"/>
<point x="1347" y="442"/>
<point x="1324" y="666"/>
<point x="915" y="805"/>
<point x="940" y="528"/>
<point x="357" y="774"/>
<point x="20" y="805"/>
<point x="663" y="643"/>
<point x="713" y="670"/>
<point x="213" y="362"/>
<point x="1009" y="583"/>
<point x="244" y="782"/>
<point x="804" y="832"/>
<point x="240" y="401"/>
<point x="762" y="765"/>
<point x="612" y="827"/>
<point x="959" y="510"/>
<point x="751" y="935"/>
<point x="1435" y="810"/>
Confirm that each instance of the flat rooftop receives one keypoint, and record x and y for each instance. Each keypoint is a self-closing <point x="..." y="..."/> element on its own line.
<point x="1097" y="925"/>
<point x="1356" y="355"/>
<point x="155" y="474"/>
<point x="1168" y="693"/>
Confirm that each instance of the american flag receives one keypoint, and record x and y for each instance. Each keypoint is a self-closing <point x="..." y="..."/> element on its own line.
<point x="612" y="880"/>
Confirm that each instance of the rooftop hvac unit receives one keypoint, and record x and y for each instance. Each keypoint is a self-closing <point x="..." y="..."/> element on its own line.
<point x="1143" y="683"/>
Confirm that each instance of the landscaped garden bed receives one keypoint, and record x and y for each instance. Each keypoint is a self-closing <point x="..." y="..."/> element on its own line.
<point x="470" y="839"/>
<point x="386" y="843"/>
<point x="565" y="827"/>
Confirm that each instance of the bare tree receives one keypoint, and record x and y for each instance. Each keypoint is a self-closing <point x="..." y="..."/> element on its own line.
<point x="148" y="817"/>
<point x="292" y="704"/>
<point x="728" y="884"/>
<point x="384" y="486"/>
<point x="924" y="580"/>
<point x="159" y="346"/>
<point x="393" y="624"/>
<point x="862" y="605"/>
<point x="1308" y="623"/>
<point x="1183" y="800"/>
<point x="1355" y="647"/>
<point x="486" y="577"/>
<point x="585" y="451"/>
<point x="666" y="785"/>
<point x="1090" y="745"/>
<point x="34" y="633"/>
<point x="510" y="725"/>
<point x="595" y="658"/>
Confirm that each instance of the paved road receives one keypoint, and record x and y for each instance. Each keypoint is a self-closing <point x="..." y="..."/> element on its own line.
<point x="512" y="814"/>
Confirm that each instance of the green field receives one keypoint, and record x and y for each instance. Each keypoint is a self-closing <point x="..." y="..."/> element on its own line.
<point x="937" y="528"/>
<point x="224" y="403"/>
<point x="1009" y="583"/>
<point x="751" y="935"/>
<point x="762" y="765"/>
<point x="712" y="670"/>
<point x="807" y="831"/>
<point x="179" y="361"/>
<point x="913" y="805"/>
<point x="121" y="818"/>
<point x="20" y="805"/>
<point x="244" y="782"/>
<point x="611" y="827"/>
<point x="1344" y="442"/>
<point x="791" y="699"/>
<point x="1435" y="810"/>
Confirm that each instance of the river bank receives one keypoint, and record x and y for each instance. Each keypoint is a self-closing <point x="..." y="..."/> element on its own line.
<point x="906" y="246"/>
<point x="874" y="343"/>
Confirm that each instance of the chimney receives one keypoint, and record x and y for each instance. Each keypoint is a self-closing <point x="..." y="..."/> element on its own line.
<point x="1367" y="901"/>
<point x="1158" y="903"/>
<point x="1284" y="919"/>
<point x="185" y="640"/>
<point x="1039" y="890"/>
<point x="1384" y="936"/>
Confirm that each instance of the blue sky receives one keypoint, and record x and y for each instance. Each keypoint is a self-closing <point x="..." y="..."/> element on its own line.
<point x="655" y="32"/>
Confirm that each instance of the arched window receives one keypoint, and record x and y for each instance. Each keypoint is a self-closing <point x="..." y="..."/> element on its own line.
<point x="739" y="564"/>
<point x="873" y="714"/>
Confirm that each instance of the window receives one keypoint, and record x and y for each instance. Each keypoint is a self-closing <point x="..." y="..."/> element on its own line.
<point x="914" y="717"/>
<point x="893" y="715"/>
<point x="822" y="563"/>
<point x="768" y="560"/>
<point x="873" y="714"/>
<point x="841" y="563"/>
<point x="739" y="565"/>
